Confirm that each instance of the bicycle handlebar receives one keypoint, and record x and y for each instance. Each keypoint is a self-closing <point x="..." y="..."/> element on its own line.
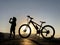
<point x="29" y="17"/>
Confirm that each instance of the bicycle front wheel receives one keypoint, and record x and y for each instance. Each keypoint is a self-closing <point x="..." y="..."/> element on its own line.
<point x="48" y="32"/>
<point x="24" y="31"/>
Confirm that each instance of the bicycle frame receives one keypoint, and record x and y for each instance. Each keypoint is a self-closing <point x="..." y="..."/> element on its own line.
<point x="40" y="26"/>
<point x="35" y="24"/>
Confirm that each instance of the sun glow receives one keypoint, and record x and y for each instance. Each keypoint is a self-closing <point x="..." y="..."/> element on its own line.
<point x="33" y="31"/>
<point x="25" y="29"/>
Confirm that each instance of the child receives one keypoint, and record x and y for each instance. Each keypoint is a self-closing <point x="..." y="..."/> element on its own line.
<point x="12" y="21"/>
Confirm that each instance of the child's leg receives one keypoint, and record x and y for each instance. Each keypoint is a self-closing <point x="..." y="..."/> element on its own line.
<point x="13" y="33"/>
<point x="10" y="33"/>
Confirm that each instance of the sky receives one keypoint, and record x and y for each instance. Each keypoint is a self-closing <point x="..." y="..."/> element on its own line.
<point x="40" y="10"/>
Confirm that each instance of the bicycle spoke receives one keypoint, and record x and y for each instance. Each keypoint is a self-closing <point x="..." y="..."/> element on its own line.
<point x="24" y="31"/>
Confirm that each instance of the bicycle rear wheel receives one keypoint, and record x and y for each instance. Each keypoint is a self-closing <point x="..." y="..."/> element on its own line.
<point x="24" y="31"/>
<point x="48" y="32"/>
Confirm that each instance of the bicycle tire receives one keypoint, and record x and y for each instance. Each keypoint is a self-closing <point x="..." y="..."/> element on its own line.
<point x="52" y="34"/>
<point x="29" y="32"/>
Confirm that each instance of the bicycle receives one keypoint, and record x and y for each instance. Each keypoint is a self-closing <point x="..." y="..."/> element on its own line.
<point x="46" y="31"/>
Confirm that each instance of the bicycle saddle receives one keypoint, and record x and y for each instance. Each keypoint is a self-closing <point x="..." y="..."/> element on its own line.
<point x="42" y="22"/>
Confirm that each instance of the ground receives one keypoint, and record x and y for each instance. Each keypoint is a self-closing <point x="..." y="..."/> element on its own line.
<point x="32" y="40"/>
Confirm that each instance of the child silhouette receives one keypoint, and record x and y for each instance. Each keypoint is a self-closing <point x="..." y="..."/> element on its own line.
<point x="12" y="21"/>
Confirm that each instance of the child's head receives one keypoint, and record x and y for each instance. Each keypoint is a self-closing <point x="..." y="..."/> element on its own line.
<point x="14" y="19"/>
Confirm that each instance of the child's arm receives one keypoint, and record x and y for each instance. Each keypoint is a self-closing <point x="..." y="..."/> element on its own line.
<point x="10" y="20"/>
